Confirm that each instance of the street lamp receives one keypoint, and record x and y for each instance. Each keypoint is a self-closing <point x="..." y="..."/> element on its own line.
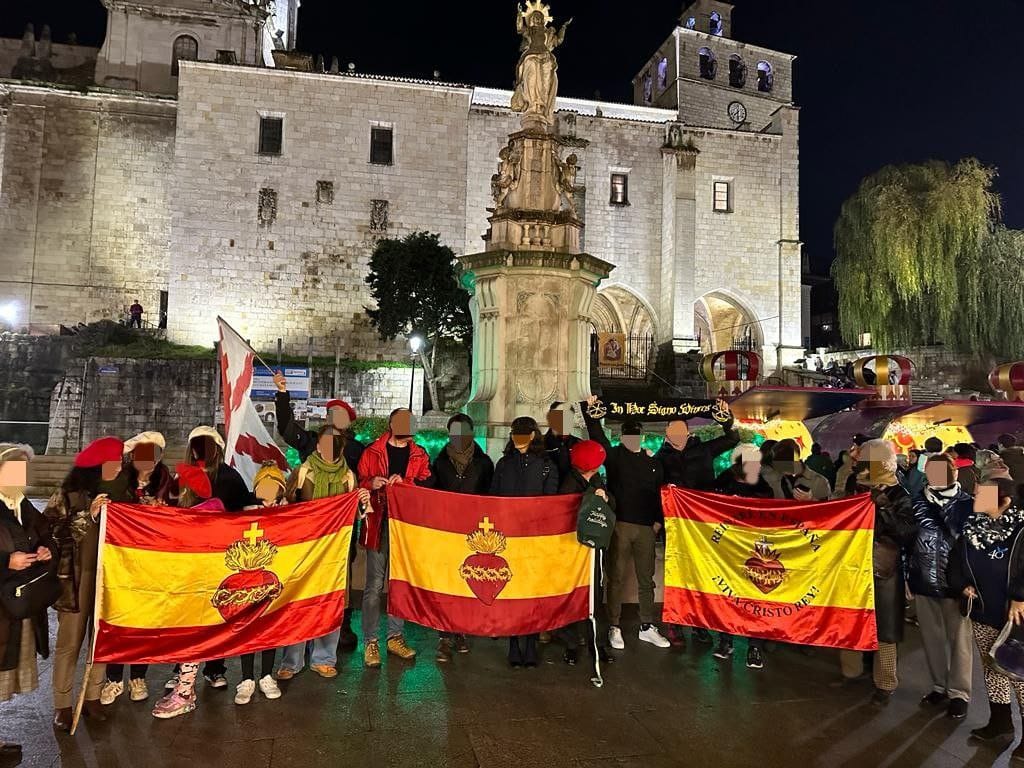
<point x="9" y="313"/>
<point x="415" y="344"/>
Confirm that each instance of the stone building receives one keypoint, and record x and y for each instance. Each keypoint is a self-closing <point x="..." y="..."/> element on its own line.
<point x="209" y="170"/>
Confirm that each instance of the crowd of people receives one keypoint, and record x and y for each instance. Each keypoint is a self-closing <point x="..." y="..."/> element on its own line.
<point x="947" y="525"/>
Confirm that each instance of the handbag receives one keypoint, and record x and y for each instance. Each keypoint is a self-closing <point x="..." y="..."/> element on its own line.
<point x="595" y="522"/>
<point x="31" y="591"/>
<point x="1007" y="652"/>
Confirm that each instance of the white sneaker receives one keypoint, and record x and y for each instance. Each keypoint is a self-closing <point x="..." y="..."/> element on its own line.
<point x="244" y="691"/>
<point x="654" y="637"/>
<point x="137" y="690"/>
<point x="110" y="691"/>
<point x="615" y="638"/>
<point x="268" y="687"/>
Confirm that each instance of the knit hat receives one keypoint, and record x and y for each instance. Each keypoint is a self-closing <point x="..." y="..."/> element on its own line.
<point x="746" y="452"/>
<point x="209" y="432"/>
<point x="100" y="452"/>
<point x="587" y="455"/>
<point x="343" y="405"/>
<point x="145" y="438"/>
<point x="194" y="477"/>
<point x="269" y="471"/>
<point x="16" y="449"/>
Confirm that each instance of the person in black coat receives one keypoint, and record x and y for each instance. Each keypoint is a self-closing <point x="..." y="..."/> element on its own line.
<point x="524" y="470"/>
<point x="635" y="480"/>
<point x="25" y="544"/>
<point x="461" y="467"/>
<point x="986" y="568"/>
<point x="941" y="509"/>
<point x="557" y="440"/>
<point x="586" y="458"/>
<point x="689" y="462"/>
<point x="340" y="415"/>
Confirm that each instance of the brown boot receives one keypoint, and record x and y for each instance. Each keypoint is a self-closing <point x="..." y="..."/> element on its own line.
<point x="62" y="719"/>
<point x="94" y="710"/>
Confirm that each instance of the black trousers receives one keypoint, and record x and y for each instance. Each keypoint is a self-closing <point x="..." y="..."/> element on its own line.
<point x="115" y="672"/>
<point x="266" y="664"/>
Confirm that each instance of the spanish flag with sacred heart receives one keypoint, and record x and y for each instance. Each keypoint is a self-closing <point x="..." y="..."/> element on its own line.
<point x="774" y="569"/>
<point x="182" y="584"/>
<point x="484" y="565"/>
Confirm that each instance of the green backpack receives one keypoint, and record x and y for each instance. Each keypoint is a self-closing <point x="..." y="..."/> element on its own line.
<point x="596" y="521"/>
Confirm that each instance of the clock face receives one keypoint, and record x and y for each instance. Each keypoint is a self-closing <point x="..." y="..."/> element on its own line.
<point x="737" y="112"/>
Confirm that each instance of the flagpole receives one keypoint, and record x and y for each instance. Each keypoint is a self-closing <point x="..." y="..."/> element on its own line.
<point x="597" y="679"/>
<point x="254" y="353"/>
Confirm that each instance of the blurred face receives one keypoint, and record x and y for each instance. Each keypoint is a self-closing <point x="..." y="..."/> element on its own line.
<point x="751" y="472"/>
<point x="986" y="500"/>
<point x="460" y="435"/>
<point x="854" y="452"/>
<point x="204" y="449"/>
<point x="338" y="418"/>
<point x="677" y="433"/>
<point x="330" y="445"/>
<point x="522" y="442"/>
<point x="940" y="474"/>
<point x="110" y="469"/>
<point x="874" y="459"/>
<point x="13" y="476"/>
<point x="556" y="421"/>
<point x="268" y="492"/>
<point x="402" y="427"/>
<point x="145" y="457"/>
<point x="791" y="468"/>
<point x="632" y="442"/>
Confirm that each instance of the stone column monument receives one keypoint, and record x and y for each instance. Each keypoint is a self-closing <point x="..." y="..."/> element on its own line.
<point x="532" y="287"/>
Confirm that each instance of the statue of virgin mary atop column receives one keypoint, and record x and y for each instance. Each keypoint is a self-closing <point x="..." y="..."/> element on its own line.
<point x="537" y="71"/>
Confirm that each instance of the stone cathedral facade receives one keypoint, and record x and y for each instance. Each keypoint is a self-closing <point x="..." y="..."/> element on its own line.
<point x="196" y="163"/>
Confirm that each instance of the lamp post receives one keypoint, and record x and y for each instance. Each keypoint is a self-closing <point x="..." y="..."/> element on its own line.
<point x="415" y="344"/>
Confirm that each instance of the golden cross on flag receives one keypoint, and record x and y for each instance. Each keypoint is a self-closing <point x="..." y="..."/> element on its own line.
<point x="254" y="533"/>
<point x="486" y="526"/>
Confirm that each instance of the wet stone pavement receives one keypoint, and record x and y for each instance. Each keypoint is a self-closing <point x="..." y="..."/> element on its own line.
<point x="657" y="709"/>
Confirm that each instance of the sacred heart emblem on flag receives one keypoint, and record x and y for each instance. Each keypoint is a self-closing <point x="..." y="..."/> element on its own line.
<point x="247" y="594"/>
<point x="764" y="569"/>
<point x="485" y="571"/>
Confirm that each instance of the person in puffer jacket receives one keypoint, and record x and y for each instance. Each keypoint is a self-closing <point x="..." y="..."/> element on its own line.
<point x="941" y="511"/>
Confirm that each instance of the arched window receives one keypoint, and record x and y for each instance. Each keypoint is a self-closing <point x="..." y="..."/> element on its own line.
<point x="691" y="23"/>
<point x="185" y="47"/>
<point x="715" y="23"/>
<point x="663" y="74"/>
<point x="765" y="77"/>
<point x="737" y="72"/>
<point x="708" y="65"/>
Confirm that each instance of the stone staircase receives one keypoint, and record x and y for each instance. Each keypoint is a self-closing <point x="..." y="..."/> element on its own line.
<point x="47" y="472"/>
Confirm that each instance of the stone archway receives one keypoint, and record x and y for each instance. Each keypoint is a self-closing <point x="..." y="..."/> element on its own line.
<point x="721" y="321"/>
<point x="616" y="309"/>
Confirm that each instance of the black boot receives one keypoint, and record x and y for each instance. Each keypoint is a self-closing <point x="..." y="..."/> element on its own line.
<point x="1000" y="723"/>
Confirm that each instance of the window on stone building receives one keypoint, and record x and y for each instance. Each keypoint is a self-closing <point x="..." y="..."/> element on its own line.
<point x="620" y="189"/>
<point x="271" y="135"/>
<point x="379" y="215"/>
<point x="648" y="87"/>
<point x="691" y="23"/>
<point x="722" y="197"/>
<point x="381" y="145"/>
<point x="325" y="192"/>
<point x="737" y="72"/>
<point x="185" y="47"/>
<point x="708" y="65"/>
<point x="765" y="77"/>
<point x="663" y="74"/>
<point x="715" y="23"/>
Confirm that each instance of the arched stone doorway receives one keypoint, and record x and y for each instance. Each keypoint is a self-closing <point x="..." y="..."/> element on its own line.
<point x="616" y="309"/>
<point x="722" y="322"/>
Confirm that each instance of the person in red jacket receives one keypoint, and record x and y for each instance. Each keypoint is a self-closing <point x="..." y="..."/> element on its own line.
<point x="392" y="458"/>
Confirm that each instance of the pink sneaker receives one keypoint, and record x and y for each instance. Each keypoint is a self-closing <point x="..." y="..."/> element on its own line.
<point x="174" y="704"/>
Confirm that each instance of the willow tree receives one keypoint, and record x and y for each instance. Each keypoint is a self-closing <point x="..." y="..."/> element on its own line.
<point x="911" y="251"/>
<point x="1000" y="322"/>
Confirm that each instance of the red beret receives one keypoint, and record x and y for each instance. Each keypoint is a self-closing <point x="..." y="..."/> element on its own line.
<point x="99" y="452"/>
<point x="587" y="455"/>
<point x="194" y="477"/>
<point x="342" y="404"/>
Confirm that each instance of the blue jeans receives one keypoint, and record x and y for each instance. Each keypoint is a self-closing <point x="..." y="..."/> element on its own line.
<point x="324" y="652"/>
<point x="376" y="580"/>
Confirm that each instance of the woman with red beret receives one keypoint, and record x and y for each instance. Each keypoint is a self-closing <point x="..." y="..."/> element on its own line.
<point x="98" y="477"/>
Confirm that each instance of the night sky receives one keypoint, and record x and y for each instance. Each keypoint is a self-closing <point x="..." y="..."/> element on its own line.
<point x="877" y="82"/>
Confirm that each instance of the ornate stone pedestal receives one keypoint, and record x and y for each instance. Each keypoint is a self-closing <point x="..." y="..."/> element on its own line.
<point x="531" y="340"/>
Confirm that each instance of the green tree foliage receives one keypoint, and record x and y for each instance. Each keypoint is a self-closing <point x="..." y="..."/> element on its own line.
<point x="920" y="256"/>
<point x="415" y="283"/>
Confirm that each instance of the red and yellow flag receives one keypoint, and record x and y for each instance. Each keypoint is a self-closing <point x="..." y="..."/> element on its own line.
<point x="778" y="570"/>
<point x="486" y="566"/>
<point x="189" y="585"/>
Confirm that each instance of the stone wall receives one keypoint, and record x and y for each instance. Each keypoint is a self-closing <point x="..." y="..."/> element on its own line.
<point x="119" y="396"/>
<point x="30" y="368"/>
<point x="84" y="203"/>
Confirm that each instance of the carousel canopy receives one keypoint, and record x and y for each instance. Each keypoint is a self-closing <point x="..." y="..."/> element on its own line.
<point x="796" y="403"/>
<point x="967" y="413"/>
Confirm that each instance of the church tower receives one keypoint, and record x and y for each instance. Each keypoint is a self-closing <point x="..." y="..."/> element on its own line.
<point x="146" y="39"/>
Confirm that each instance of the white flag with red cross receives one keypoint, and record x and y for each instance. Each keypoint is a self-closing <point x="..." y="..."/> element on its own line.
<point x="247" y="444"/>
